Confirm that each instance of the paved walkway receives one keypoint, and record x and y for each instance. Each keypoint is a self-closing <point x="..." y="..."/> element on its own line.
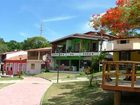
<point x="26" y="92"/>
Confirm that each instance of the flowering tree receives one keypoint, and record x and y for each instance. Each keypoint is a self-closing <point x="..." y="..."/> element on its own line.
<point x="119" y="20"/>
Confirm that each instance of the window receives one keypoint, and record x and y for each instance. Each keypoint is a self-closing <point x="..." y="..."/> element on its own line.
<point x="77" y="47"/>
<point x="32" y="66"/>
<point x="124" y="55"/>
<point x="7" y="66"/>
<point x="95" y="47"/>
<point x="123" y="41"/>
<point x="33" y="55"/>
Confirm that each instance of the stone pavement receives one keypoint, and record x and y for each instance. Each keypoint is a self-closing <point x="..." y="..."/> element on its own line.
<point x="25" y="92"/>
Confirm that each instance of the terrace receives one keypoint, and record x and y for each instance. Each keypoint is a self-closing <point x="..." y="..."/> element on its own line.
<point x="121" y="76"/>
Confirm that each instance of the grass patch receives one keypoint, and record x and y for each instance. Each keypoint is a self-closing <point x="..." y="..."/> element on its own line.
<point x="11" y="78"/>
<point x="4" y="85"/>
<point x="65" y="75"/>
<point x="76" y="93"/>
<point x="98" y="74"/>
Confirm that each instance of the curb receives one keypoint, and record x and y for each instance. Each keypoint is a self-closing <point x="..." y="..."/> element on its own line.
<point x="44" y="94"/>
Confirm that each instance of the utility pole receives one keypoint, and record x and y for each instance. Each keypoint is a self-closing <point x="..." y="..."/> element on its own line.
<point x="41" y="28"/>
<point x="101" y="43"/>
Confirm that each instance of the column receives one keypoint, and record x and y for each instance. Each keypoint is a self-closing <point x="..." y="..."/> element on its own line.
<point x="38" y="55"/>
<point x="117" y="98"/>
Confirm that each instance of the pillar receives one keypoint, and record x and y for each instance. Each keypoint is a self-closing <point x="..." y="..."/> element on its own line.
<point x="117" y="98"/>
<point x="38" y="55"/>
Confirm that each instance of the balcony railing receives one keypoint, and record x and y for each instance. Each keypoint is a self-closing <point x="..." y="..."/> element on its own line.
<point x="75" y="54"/>
<point x="32" y="57"/>
<point x="121" y="76"/>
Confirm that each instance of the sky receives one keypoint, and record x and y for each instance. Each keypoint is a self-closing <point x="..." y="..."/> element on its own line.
<point x="21" y="19"/>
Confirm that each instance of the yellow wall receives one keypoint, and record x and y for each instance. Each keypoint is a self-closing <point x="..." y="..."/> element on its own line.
<point x="135" y="56"/>
<point x="115" y="56"/>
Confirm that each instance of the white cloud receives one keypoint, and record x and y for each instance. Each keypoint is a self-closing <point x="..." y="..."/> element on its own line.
<point x="59" y="18"/>
<point x="24" y="34"/>
<point x="51" y="34"/>
<point x="85" y="27"/>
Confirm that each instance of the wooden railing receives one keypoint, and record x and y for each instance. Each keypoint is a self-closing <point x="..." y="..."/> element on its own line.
<point x="32" y="57"/>
<point x="121" y="76"/>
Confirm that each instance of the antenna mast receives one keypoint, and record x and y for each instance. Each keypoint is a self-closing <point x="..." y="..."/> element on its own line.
<point x="41" y="28"/>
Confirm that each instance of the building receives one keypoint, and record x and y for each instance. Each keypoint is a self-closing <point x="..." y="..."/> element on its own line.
<point x="126" y="49"/>
<point x="13" y="61"/>
<point x="72" y="52"/>
<point x="122" y="74"/>
<point x="36" y="60"/>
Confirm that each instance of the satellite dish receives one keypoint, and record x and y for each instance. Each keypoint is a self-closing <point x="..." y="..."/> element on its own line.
<point x="44" y="57"/>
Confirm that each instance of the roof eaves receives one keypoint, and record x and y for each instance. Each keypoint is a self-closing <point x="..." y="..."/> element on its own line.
<point x="40" y="49"/>
<point x="65" y="37"/>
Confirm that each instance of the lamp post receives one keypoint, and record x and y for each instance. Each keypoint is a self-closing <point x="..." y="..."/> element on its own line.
<point x="59" y="51"/>
<point x="20" y="66"/>
<point x="101" y="43"/>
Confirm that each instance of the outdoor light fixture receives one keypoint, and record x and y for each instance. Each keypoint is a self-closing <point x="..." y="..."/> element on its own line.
<point x="20" y="66"/>
<point x="59" y="49"/>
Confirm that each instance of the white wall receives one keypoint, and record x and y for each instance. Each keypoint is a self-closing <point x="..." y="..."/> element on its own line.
<point x="106" y="46"/>
<point x="37" y="66"/>
<point x="12" y="54"/>
<point x="134" y="44"/>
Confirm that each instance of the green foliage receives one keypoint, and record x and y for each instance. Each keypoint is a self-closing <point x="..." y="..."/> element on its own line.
<point x="35" y="42"/>
<point x="2" y="40"/>
<point x="46" y="70"/>
<point x="68" y="76"/>
<point x="96" y="59"/>
<point x="3" y="46"/>
<point x="29" y="43"/>
<point x="81" y="73"/>
<point x="94" y="65"/>
<point x="14" y="45"/>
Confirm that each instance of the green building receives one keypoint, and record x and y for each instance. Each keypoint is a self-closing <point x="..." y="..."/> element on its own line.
<point x="73" y="52"/>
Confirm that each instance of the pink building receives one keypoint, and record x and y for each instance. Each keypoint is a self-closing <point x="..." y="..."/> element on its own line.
<point x="13" y="62"/>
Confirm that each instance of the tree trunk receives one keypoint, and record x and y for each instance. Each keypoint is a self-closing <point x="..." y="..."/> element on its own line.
<point x="90" y="80"/>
